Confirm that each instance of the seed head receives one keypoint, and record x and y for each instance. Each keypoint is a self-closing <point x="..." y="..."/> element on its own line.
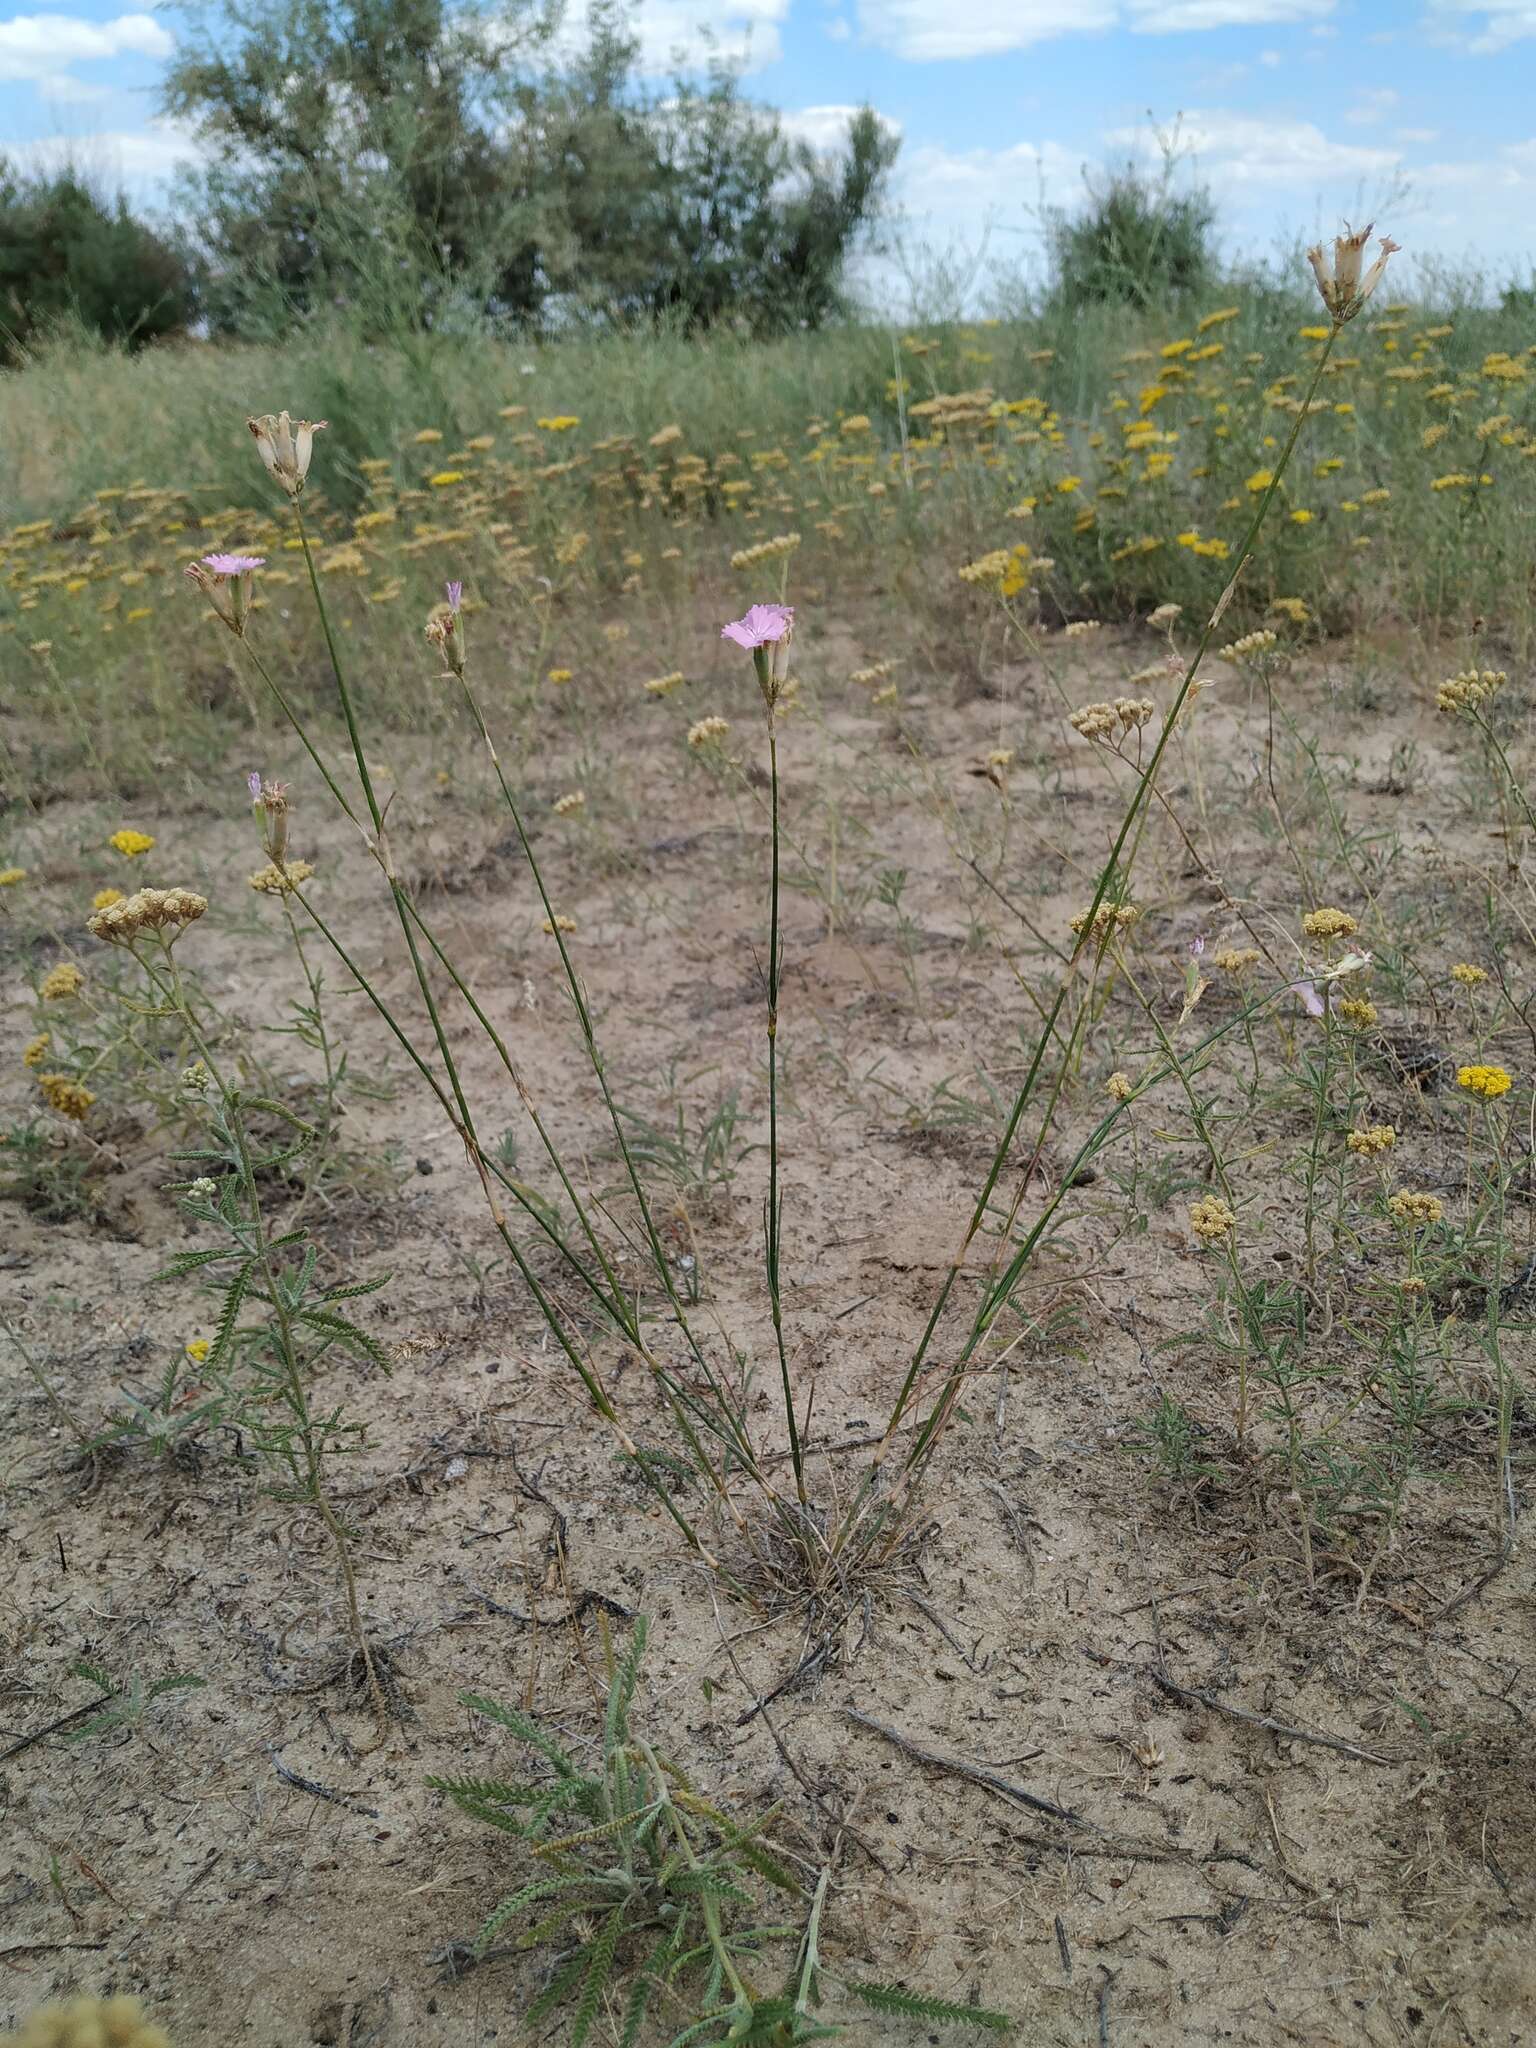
<point x="1412" y="1205"/>
<point x="1343" y="289"/>
<point x="285" y="446"/>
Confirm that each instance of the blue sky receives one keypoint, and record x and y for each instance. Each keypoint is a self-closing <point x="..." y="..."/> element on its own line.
<point x="1298" y="111"/>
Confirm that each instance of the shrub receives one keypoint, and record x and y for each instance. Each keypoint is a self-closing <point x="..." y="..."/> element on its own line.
<point x="69" y="253"/>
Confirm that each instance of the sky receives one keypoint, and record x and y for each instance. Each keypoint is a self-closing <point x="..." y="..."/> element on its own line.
<point x="1297" y="113"/>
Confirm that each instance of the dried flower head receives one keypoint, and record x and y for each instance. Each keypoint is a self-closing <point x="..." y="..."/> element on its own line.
<point x="1119" y="1087"/>
<point x="1107" y="919"/>
<point x="1250" y="645"/>
<point x="1343" y="289"/>
<point x="568" y="805"/>
<point x="61" y="982"/>
<point x="1411" y="1205"/>
<point x="146" y="910"/>
<point x="1211" y="1219"/>
<point x="1487" y="1082"/>
<point x="35" y="1050"/>
<point x="1135" y="712"/>
<point x="708" y="732"/>
<point x="90" y="2023"/>
<point x="663" y="686"/>
<point x="1328" y="924"/>
<point x="557" y="923"/>
<point x="1234" y="959"/>
<point x="68" y="1096"/>
<point x="1465" y="692"/>
<point x="765" y="551"/>
<point x="1164" y="615"/>
<point x="285" y="446"/>
<point x="281" y="880"/>
<point x="1098" y="721"/>
<point x="1371" y="1142"/>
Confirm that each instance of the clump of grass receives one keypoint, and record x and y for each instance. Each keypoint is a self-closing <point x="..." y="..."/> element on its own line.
<point x="646" y="1892"/>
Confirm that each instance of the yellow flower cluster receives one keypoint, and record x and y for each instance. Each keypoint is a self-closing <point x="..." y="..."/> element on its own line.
<point x="61" y="982"/>
<point x="765" y="551"/>
<point x="1250" y="645"/>
<point x="1233" y="959"/>
<point x="130" y="844"/>
<point x="63" y="1093"/>
<point x="1211" y="1219"/>
<point x="1120" y="1087"/>
<point x="1468" y="975"/>
<point x="145" y="910"/>
<point x="1472" y="687"/>
<point x="273" y="880"/>
<point x="1374" y="1140"/>
<point x="1487" y="1082"/>
<point x="1108" y="918"/>
<point x="663" y="686"/>
<point x="85" y="2022"/>
<point x="1329" y="924"/>
<point x="1411" y="1205"/>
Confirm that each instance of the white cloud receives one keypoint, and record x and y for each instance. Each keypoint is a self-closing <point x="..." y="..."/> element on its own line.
<point x="673" y="32"/>
<point x="1502" y="22"/>
<point x="926" y="29"/>
<point x="826" y="128"/>
<point x="138" y="158"/>
<point x="1372" y="108"/>
<point x="38" y="46"/>
<point x="1251" y="153"/>
<point x="1168" y="17"/>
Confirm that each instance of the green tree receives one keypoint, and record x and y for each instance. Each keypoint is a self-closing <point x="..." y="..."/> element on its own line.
<point x="70" y="253"/>
<point x="1137" y="237"/>
<point x="420" y="163"/>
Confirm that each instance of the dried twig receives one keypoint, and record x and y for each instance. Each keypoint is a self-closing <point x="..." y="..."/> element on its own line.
<point x="958" y="1768"/>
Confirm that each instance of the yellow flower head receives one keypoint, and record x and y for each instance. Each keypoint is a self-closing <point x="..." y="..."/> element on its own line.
<point x="90" y="2023"/>
<point x="1468" y="975"/>
<point x="36" y="1050"/>
<point x="1488" y="1082"/>
<point x="1373" y="1141"/>
<point x="9" y="877"/>
<point x="105" y="898"/>
<point x="61" y="982"/>
<point x="1211" y="1219"/>
<point x="1329" y="924"/>
<point x="198" y="1350"/>
<point x="1413" y="1206"/>
<point x="1120" y="1087"/>
<point x="131" y="844"/>
<point x="69" y="1097"/>
<point x="273" y="880"/>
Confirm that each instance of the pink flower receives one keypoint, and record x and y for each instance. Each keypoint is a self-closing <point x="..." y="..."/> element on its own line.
<point x="1311" y="1001"/>
<point x="764" y="624"/>
<point x="455" y="596"/>
<point x="233" y="565"/>
<point x="253" y="784"/>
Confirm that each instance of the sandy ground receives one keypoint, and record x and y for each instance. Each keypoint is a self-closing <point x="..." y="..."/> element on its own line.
<point x="263" y="1869"/>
